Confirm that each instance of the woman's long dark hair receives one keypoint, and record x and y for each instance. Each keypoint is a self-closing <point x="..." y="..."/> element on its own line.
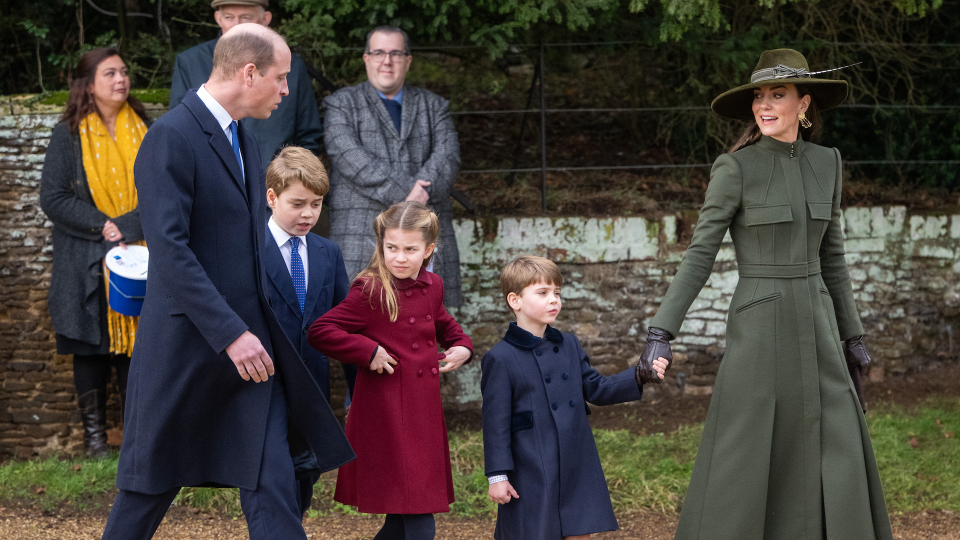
<point x="752" y="134"/>
<point x="81" y="101"/>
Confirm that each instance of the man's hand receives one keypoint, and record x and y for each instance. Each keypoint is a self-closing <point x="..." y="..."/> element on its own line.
<point x="456" y="356"/>
<point x="382" y="361"/>
<point x="111" y="233"/>
<point x="501" y="492"/>
<point x="250" y="357"/>
<point x="418" y="193"/>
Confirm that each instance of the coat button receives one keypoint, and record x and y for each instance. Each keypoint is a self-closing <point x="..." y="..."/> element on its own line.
<point x="413" y="320"/>
<point x="424" y="291"/>
<point x="306" y="329"/>
<point x="419" y="373"/>
<point x="429" y="317"/>
<point x="415" y="346"/>
<point x="409" y="293"/>
<point x="548" y="380"/>
<point x="565" y="376"/>
<point x="554" y="406"/>
<point x="430" y="343"/>
<point x="434" y="371"/>
<point x="572" y="403"/>
<point x="556" y="349"/>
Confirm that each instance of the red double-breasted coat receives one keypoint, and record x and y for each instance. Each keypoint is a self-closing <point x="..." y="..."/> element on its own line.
<point x="396" y="423"/>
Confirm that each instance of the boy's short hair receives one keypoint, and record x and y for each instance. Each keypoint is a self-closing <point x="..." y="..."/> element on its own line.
<point x="296" y="164"/>
<point x="527" y="270"/>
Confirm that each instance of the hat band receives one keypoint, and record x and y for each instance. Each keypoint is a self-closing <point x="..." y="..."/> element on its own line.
<point x="779" y="72"/>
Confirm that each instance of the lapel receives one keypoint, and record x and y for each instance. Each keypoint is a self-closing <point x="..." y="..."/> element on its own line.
<point x="380" y="110"/>
<point x="408" y="111"/>
<point x="218" y="140"/>
<point x="317" y="271"/>
<point x="279" y="275"/>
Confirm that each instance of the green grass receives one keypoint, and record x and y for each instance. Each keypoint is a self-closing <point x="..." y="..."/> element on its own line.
<point x="156" y="95"/>
<point x="643" y="472"/>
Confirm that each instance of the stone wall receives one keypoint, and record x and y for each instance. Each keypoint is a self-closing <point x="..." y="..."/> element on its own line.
<point x="616" y="270"/>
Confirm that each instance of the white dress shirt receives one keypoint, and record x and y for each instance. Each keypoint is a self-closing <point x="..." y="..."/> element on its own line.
<point x="283" y="242"/>
<point x="224" y="119"/>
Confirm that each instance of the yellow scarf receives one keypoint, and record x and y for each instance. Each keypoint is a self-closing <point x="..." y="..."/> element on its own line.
<point x="109" y="167"/>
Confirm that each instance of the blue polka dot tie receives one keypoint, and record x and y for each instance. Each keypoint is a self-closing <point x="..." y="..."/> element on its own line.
<point x="296" y="271"/>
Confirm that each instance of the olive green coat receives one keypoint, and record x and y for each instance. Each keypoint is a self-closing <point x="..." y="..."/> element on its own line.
<point x="785" y="452"/>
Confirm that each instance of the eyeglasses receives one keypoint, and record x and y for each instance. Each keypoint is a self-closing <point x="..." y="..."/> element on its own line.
<point x="379" y="55"/>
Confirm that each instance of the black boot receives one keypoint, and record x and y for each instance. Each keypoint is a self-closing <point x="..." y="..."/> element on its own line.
<point x="93" y="413"/>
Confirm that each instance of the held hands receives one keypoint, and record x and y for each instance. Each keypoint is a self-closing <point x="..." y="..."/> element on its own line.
<point x="250" y="358"/>
<point x="418" y="193"/>
<point x="501" y="492"/>
<point x="382" y="361"/>
<point x="656" y="357"/>
<point x="456" y="356"/>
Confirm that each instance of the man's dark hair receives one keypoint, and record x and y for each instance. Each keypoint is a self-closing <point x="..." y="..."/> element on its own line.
<point x="389" y="30"/>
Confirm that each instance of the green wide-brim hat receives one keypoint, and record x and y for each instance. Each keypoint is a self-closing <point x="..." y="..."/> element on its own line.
<point x="780" y="66"/>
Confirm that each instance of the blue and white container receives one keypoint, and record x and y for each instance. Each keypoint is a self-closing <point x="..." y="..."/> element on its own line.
<point x="128" y="279"/>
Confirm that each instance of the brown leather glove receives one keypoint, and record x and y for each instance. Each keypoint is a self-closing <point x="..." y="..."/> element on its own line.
<point x="857" y="357"/>
<point x="658" y="345"/>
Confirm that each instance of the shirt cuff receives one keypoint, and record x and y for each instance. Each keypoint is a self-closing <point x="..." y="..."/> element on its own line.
<point x="497" y="478"/>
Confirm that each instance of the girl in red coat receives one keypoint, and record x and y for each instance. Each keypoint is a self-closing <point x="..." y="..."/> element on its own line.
<point x="391" y="323"/>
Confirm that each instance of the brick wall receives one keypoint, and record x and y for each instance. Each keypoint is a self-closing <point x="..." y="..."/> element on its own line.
<point x="616" y="270"/>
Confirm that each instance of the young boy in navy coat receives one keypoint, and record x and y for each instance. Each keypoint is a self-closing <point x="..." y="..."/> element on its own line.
<point x="307" y="276"/>
<point x="541" y="459"/>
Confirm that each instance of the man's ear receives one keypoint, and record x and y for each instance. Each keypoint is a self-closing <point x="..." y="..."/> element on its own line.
<point x="249" y="74"/>
<point x="267" y="17"/>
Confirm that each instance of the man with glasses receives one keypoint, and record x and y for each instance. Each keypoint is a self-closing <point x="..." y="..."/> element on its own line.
<point x="389" y="142"/>
<point x="295" y="122"/>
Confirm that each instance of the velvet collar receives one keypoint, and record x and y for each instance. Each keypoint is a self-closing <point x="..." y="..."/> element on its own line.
<point x="423" y="279"/>
<point x="520" y="338"/>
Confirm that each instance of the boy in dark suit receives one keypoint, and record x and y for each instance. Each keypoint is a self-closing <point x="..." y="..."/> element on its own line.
<point x="541" y="459"/>
<point x="306" y="271"/>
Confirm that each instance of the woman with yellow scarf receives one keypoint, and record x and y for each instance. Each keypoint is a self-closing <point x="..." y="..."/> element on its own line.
<point x="87" y="191"/>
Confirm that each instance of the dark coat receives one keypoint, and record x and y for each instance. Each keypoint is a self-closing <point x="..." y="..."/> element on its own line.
<point x="396" y="423"/>
<point x="76" y="281"/>
<point x="328" y="286"/>
<point x="296" y="121"/>
<point x="375" y="167"/>
<point x="535" y="430"/>
<point x="785" y="451"/>
<point x="191" y="420"/>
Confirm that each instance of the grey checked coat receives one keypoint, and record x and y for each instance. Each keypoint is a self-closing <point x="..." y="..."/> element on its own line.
<point x="375" y="167"/>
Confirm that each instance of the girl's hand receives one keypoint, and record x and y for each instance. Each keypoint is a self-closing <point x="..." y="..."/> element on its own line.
<point x="456" y="356"/>
<point x="111" y="233"/>
<point x="382" y="361"/>
<point x="501" y="492"/>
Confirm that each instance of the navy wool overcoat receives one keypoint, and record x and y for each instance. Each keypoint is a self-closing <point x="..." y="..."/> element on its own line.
<point x="535" y="430"/>
<point x="191" y="419"/>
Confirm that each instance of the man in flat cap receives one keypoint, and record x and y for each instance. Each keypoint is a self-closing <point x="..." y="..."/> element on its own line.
<point x="296" y="121"/>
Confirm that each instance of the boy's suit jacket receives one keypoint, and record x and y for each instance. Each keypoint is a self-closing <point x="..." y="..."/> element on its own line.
<point x="191" y="419"/>
<point x="328" y="285"/>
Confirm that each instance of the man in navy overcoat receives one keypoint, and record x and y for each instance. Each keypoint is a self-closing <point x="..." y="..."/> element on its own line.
<point x="213" y="380"/>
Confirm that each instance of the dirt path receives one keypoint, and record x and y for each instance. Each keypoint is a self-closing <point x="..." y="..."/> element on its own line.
<point x="30" y="524"/>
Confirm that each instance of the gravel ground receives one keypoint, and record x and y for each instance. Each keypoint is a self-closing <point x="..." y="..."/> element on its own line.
<point x="31" y="524"/>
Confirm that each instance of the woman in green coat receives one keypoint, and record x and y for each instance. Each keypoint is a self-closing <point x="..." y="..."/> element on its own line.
<point x="785" y="452"/>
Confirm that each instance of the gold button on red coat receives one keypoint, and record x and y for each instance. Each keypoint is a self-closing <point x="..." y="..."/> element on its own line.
<point x="413" y="320"/>
<point x="409" y="293"/>
<point x="415" y="346"/>
<point x="434" y="370"/>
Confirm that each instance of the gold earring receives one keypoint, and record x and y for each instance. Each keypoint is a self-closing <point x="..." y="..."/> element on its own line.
<point x="804" y="121"/>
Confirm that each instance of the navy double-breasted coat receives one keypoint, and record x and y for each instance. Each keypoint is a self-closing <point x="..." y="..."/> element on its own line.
<point x="191" y="419"/>
<point x="328" y="285"/>
<point x="535" y="430"/>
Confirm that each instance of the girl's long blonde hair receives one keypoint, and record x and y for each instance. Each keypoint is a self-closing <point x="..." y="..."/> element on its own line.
<point x="407" y="216"/>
